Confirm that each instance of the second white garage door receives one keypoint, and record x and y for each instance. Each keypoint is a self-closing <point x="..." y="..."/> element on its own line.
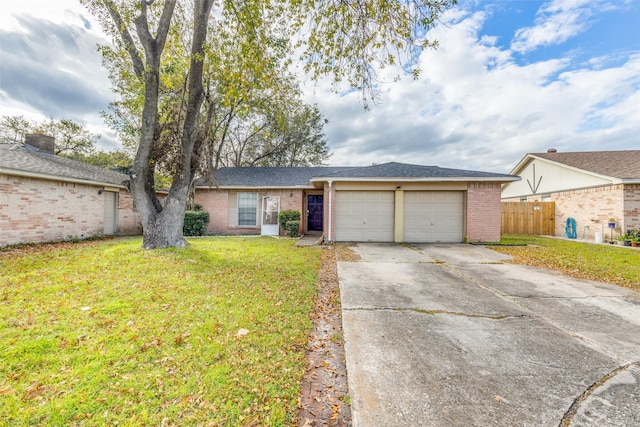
<point x="433" y="216"/>
<point x="364" y="216"/>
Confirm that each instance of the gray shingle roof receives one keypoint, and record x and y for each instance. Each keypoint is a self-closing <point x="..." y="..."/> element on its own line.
<point x="267" y="176"/>
<point x="403" y="170"/>
<point x="300" y="176"/>
<point x="18" y="158"/>
<point x="623" y="164"/>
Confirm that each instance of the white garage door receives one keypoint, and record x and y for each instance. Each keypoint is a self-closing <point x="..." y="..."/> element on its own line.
<point x="433" y="216"/>
<point x="363" y="216"/>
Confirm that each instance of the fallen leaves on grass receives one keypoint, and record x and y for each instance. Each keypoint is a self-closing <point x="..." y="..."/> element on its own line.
<point x="325" y="379"/>
<point x="157" y="340"/>
<point x="620" y="266"/>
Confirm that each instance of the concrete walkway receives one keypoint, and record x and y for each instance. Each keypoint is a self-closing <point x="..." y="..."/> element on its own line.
<point x="309" y="240"/>
<point x="448" y="335"/>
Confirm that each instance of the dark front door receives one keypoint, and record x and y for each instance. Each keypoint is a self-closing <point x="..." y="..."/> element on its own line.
<point x="315" y="216"/>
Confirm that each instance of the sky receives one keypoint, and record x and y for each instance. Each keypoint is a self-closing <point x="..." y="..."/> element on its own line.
<point x="509" y="77"/>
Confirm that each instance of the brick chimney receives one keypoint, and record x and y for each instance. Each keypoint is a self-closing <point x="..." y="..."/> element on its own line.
<point x="44" y="143"/>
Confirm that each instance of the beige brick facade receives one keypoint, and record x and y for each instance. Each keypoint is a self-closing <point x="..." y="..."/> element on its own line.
<point x="39" y="210"/>
<point x="593" y="207"/>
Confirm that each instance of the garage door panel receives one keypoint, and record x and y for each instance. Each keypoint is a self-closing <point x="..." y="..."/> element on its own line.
<point x="364" y="216"/>
<point x="433" y="216"/>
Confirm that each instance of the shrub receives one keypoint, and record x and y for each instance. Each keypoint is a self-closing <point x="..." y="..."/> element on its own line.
<point x="290" y="221"/>
<point x="195" y="223"/>
<point x="292" y="228"/>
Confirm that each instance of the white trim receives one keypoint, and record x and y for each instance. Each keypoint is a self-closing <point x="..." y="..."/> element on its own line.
<point x="257" y="219"/>
<point x="330" y="212"/>
<point x="14" y="172"/>
<point x="531" y="157"/>
<point x="258" y="187"/>
<point x="424" y="179"/>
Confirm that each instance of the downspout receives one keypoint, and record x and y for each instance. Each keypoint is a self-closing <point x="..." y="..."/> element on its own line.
<point x="330" y="211"/>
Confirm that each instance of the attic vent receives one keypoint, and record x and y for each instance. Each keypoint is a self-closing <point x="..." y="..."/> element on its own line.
<point x="44" y="143"/>
<point x="552" y="150"/>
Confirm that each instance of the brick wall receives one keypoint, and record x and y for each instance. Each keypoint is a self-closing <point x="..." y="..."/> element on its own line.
<point x="216" y="202"/>
<point x="631" y="207"/>
<point x="129" y="222"/>
<point x="591" y="208"/>
<point x="483" y="212"/>
<point x="38" y="210"/>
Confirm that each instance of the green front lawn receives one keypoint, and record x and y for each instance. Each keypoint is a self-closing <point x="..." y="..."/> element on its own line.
<point x="605" y="263"/>
<point x="105" y="333"/>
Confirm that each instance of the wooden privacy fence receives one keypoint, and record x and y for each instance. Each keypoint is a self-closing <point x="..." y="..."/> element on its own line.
<point x="529" y="218"/>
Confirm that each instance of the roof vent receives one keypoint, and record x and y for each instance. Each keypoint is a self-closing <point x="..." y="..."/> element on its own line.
<point x="552" y="150"/>
<point x="44" y="143"/>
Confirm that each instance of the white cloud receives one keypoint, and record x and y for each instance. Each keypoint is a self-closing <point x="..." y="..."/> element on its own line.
<point x="476" y="108"/>
<point x="555" y="23"/>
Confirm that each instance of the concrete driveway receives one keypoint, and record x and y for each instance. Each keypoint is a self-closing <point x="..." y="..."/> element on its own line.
<point x="449" y="335"/>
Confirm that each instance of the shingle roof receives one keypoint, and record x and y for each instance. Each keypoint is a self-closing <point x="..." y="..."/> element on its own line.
<point x="300" y="176"/>
<point x="623" y="164"/>
<point x="267" y="176"/>
<point x="403" y="170"/>
<point x="18" y="158"/>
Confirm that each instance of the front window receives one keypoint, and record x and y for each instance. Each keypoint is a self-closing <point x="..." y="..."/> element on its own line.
<point x="247" y="209"/>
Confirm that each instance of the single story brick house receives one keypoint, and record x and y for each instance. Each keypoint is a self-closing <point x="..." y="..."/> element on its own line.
<point x="44" y="197"/>
<point x="391" y="202"/>
<point x="591" y="186"/>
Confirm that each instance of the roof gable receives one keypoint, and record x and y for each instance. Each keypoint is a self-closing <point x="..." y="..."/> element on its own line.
<point x="623" y="164"/>
<point x="20" y="160"/>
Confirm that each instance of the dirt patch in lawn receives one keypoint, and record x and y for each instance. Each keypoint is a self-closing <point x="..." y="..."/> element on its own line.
<point x="324" y="393"/>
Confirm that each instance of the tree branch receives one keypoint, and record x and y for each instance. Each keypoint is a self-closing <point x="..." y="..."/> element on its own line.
<point x="138" y="65"/>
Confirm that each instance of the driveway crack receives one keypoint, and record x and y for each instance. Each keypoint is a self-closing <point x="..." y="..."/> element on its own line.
<point x="437" y="312"/>
<point x="573" y="409"/>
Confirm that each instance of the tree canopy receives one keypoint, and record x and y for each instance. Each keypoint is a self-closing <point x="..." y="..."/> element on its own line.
<point x="205" y="83"/>
<point x="71" y="138"/>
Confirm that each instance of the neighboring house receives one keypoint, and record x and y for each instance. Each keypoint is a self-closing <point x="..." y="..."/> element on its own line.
<point x="590" y="187"/>
<point x="391" y="202"/>
<point x="44" y="197"/>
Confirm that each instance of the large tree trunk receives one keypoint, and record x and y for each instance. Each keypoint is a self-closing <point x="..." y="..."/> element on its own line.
<point x="162" y="224"/>
<point x="164" y="229"/>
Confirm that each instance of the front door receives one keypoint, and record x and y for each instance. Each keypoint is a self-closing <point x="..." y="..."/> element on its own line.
<point x="315" y="212"/>
<point x="270" y="211"/>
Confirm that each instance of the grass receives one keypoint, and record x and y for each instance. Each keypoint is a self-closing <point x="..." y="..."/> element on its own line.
<point x="605" y="263"/>
<point x="105" y="333"/>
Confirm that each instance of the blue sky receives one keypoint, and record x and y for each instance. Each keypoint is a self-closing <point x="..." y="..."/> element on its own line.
<point x="509" y="77"/>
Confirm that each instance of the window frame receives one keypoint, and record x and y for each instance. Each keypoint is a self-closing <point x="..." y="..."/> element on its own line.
<point x="243" y="216"/>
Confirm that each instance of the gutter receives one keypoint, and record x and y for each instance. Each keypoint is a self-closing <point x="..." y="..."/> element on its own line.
<point x="14" y="172"/>
<point x="434" y="179"/>
<point x="330" y="210"/>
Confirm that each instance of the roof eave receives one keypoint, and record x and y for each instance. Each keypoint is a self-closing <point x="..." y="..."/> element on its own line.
<point x="255" y="187"/>
<point x="420" y="179"/>
<point x="37" y="175"/>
